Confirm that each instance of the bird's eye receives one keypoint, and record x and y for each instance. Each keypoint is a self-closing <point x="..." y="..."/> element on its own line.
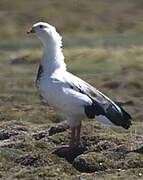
<point x="41" y="26"/>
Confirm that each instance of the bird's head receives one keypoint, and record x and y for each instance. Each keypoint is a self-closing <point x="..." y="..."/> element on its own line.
<point x="46" y="33"/>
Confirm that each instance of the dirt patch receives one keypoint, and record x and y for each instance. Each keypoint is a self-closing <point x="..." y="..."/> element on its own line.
<point x="46" y="147"/>
<point x="69" y="153"/>
<point x="31" y="160"/>
<point x="112" y="84"/>
<point x="51" y="130"/>
<point x="6" y="134"/>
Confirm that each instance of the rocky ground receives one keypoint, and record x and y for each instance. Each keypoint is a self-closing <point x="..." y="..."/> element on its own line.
<point x="43" y="153"/>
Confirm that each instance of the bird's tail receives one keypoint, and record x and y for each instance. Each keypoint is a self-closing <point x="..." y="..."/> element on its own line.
<point x="115" y="115"/>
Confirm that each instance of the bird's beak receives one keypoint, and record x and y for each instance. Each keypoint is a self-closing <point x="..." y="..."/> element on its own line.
<point x="31" y="31"/>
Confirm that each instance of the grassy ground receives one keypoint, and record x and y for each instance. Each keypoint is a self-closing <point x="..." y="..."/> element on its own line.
<point x="103" y="44"/>
<point x="71" y="16"/>
<point x="26" y="146"/>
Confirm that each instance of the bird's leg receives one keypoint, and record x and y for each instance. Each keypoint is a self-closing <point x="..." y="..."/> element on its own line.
<point x="72" y="141"/>
<point x="78" y="130"/>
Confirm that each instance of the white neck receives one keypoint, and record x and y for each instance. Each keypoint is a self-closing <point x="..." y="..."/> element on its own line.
<point x="53" y="59"/>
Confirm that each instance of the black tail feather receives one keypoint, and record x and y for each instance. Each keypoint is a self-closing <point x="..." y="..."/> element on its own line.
<point x="127" y="119"/>
<point x="116" y="114"/>
<point x="119" y="118"/>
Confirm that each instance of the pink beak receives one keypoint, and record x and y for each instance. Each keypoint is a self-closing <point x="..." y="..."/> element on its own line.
<point x="31" y="31"/>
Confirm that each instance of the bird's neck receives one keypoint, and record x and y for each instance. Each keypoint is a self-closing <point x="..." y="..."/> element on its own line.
<point x="53" y="59"/>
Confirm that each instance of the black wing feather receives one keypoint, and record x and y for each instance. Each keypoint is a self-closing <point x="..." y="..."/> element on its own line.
<point x="102" y="105"/>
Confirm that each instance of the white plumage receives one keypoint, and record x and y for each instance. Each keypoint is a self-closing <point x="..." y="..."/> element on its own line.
<point x="69" y="95"/>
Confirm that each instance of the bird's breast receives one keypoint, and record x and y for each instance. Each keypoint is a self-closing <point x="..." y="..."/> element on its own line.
<point x="62" y="98"/>
<point x="47" y="90"/>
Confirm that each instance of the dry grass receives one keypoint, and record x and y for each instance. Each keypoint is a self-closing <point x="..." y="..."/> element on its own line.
<point x="71" y="16"/>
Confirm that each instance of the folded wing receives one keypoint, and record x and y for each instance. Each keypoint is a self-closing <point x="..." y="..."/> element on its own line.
<point x="102" y="108"/>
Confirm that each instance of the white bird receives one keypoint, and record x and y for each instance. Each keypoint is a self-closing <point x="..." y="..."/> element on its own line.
<point x="69" y="95"/>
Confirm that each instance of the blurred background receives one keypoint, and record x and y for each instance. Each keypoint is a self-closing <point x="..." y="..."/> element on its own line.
<point x="97" y="22"/>
<point x="71" y="16"/>
<point x="103" y="44"/>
